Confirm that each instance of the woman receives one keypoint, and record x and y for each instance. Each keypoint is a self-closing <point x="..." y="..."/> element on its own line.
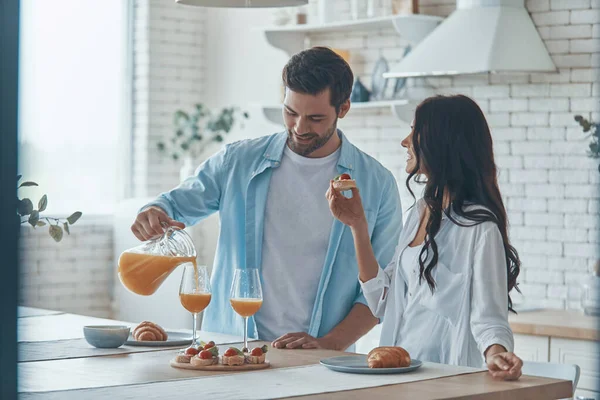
<point x="445" y="293"/>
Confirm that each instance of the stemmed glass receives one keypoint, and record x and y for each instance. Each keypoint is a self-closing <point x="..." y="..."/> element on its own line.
<point x="246" y="296"/>
<point x="195" y="292"/>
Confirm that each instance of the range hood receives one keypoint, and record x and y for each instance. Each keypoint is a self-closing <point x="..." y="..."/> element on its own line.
<point x="493" y="36"/>
<point x="243" y="3"/>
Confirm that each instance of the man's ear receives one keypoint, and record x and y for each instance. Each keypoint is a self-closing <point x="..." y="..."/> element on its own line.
<point x="344" y="108"/>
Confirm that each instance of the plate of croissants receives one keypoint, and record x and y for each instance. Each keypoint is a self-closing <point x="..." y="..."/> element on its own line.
<point x="380" y="360"/>
<point x="148" y="333"/>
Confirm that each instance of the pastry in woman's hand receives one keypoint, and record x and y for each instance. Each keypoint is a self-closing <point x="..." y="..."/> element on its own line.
<point x="388" y="357"/>
<point x="147" y="331"/>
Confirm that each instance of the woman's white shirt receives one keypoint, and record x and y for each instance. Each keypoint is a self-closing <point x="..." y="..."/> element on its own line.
<point x="468" y="310"/>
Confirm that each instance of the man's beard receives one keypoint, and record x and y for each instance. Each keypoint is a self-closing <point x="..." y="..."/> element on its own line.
<point x="315" y="144"/>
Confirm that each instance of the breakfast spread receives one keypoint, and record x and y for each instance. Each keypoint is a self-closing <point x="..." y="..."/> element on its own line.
<point x="388" y="357"/>
<point x="206" y="356"/>
<point x="343" y="182"/>
<point x="147" y="331"/>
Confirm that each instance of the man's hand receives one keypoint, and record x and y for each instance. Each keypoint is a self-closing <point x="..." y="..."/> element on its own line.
<point x="149" y="223"/>
<point x="503" y="364"/>
<point x="300" y="340"/>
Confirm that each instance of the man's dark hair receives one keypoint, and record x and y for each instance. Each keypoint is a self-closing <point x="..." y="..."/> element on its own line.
<point x="314" y="70"/>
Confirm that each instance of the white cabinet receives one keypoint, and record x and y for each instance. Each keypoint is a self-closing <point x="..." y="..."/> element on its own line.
<point x="585" y="353"/>
<point x="586" y="394"/>
<point x="532" y="348"/>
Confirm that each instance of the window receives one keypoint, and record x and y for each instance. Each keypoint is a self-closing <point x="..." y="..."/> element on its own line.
<point x="74" y="108"/>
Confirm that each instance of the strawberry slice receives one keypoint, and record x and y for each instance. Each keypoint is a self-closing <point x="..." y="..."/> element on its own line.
<point x="191" y="351"/>
<point x="259" y="351"/>
<point x="343" y="177"/>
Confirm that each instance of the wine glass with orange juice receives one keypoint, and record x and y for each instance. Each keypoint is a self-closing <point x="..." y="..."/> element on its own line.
<point x="246" y="296"/>
<point x="195" y="292"/>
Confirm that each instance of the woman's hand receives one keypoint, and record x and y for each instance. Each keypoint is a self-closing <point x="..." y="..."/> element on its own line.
<point x="348" y="210"/>
<point x="504" y="365"/>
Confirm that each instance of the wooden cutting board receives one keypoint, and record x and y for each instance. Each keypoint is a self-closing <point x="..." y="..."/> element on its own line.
<point x="221" y="367"/>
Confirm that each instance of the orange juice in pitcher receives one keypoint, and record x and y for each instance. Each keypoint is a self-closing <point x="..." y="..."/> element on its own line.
<point x="144" y="268"/>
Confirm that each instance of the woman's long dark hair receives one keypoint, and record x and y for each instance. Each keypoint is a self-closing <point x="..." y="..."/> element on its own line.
<point x="453" y="147"/>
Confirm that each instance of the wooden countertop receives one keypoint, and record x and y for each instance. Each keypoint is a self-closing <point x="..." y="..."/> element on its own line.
<point x="148" y="375"/>
<point x="567" y="324"/>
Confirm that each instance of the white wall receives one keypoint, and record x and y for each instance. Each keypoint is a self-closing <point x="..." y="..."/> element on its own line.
<point x="75" y="275"/>
<point x="183" y="55"/>
<point x="549" y="185"/>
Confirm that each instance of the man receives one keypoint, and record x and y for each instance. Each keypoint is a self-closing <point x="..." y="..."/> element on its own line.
<point x="270" y="193"/>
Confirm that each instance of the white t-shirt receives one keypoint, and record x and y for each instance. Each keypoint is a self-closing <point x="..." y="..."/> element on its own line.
<point x="296" y="237"/>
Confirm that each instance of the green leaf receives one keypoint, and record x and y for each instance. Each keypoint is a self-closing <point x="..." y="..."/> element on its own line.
<point x="160" y="145"/>
<point x="578" y="118"/>
<point x="43" y="203"/>
<point x="34" y="217"/>
<point x="180" y="116"/>
<point x="56" y="232"/>
<point x="74" y="217"/>
<point x="41" y="223"/>
<point x="179" y="133"/>
<point x="25" y="207"/>
<point x="175" y="156"/>
<point x="66" y="226"/>
<point x="28" y="183"/>
<point x="218" y="138"/>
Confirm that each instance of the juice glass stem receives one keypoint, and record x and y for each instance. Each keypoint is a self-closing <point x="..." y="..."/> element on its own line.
<point x="194" y="337"/>
<point x="245" y="349"/>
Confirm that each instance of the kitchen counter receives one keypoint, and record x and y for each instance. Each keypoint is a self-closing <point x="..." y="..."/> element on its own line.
<point x="568" y="324"/>
<point x="77" y="371"/>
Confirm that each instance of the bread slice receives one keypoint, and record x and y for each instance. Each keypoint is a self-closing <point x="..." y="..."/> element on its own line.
<point x="199" y="362"/>
<point x="345" y="184"/>
<point x="182" y="358"/>
<point x="256" y="359"/>
<point x="234" y="360"/>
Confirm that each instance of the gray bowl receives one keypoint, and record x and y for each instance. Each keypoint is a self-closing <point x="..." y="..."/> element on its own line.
<point x="106" y="336"/>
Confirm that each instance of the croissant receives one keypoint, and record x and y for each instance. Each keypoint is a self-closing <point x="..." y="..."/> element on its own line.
<point x="388" y="357"/>
<point x="148" y="331"/>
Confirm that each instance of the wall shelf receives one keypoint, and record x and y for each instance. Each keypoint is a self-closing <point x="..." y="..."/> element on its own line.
<point x="403" y="109"/>
<point x="412" y="27"/>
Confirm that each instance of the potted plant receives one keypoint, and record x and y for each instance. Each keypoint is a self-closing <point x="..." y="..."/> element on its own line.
<point x="589" y="296"/>
<point x="28" y="214"/>
<point x="195" y="131"/>
<point x="592" y="130"/>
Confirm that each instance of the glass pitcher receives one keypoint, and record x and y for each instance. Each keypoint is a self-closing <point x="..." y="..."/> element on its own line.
<point x="144" y="268"/>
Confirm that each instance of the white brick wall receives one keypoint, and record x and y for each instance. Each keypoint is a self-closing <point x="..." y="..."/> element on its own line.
<point x="550" y="187"/>
<point x="75" y="275"/>
<point x="168" y="75"/>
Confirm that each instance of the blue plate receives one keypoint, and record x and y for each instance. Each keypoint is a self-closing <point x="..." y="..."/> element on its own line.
<point x="358" y="365"/>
